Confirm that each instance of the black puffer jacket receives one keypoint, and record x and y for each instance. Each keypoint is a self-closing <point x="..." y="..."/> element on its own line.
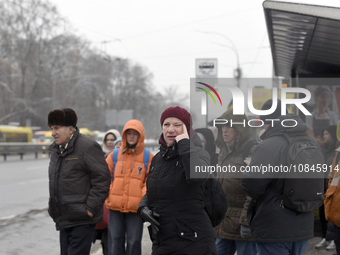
<point x="79" y="180"/>
<point x="268" y="221"/>
<point x="185" y="227"/>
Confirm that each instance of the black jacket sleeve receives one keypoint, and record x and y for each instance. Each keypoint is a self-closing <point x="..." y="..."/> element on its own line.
<point x="143" y="203"/>
<point x="192" y="156"/>
<point x="100" y="178"/>
<point x="265" y="157"/>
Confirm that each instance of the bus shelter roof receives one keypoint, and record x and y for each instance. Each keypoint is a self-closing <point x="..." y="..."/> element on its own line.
<point x="304" y="39"/>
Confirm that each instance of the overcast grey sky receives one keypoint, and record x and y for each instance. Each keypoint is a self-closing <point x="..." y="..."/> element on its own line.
<point x="167" y="37"/>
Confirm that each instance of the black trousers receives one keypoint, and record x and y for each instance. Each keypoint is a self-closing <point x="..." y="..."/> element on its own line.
<point x="323" y="221"/>
<point x="76" y="240"/>
<point x="337" y="239"/>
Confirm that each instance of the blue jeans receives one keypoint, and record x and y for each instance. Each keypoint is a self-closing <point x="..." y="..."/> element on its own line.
<point x="125" y="223"/>
<point x="229" y="247"/>
<point x="288" y="248"/>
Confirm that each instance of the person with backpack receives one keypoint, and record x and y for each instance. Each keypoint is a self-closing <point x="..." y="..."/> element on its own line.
<point x="174" y="202"/>
<point x="235" y="143"/>
<point x="282" y="221"/>
<point x="129" y="167"/>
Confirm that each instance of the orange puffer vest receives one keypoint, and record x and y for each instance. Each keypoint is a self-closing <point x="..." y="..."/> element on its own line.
<point x="129" y="181"/>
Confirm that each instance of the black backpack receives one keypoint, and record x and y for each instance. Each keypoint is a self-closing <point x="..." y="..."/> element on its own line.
<point x="303" y="189"/>
<point x="215" y="200"/>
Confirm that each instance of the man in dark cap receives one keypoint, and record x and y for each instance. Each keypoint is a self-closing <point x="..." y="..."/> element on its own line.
<point x="79" y="181"/>
<point x="274" y="228"/>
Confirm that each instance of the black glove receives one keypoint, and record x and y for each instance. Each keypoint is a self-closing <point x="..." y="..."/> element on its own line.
<point x="148" y="215"/>
<point x="245" y="231"/>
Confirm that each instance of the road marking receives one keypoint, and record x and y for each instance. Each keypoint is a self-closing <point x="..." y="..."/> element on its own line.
<point x="33" y="181"/>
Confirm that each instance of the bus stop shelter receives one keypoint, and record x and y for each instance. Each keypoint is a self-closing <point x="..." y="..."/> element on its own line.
<point x="304" y="39"/>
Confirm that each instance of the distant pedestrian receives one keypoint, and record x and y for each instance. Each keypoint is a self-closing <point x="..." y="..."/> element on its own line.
<point x="332" y="195"/>
<point x="109" y="139"/>
<point x="322" y="115"/>
<point x="208" y="143"/>
<point x="118" y="143"/>
<point x="128" y="186"/>
<point x="79" y="181"/>
<point x="328" y="150"/>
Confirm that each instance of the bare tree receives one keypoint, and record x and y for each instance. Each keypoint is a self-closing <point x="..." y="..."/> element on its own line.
<point x="25" y="26"/>
<point x="43" y="67"/>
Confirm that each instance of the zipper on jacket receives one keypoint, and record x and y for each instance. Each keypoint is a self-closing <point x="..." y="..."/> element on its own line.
<point x="56" y="182"/>
<point x="133" y="163"/>
<point x="282" y="205"/>
<point x="69" y="159"/>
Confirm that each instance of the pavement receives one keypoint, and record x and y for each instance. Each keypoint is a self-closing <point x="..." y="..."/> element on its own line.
<point x="146" y="246"/>
<point x="312" y="251"/>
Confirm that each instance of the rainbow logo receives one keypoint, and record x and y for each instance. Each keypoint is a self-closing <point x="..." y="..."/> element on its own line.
<point x="208" y="92"/>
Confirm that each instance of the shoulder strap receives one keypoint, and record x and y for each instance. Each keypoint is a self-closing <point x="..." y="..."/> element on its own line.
<point x="247" y="148"/>
<point x="114" y="160"/>
<point x="146" y="160"/>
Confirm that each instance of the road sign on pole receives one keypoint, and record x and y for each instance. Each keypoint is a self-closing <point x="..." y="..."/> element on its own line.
<point x="118" y="117"/>
<point x="206" y="68"/>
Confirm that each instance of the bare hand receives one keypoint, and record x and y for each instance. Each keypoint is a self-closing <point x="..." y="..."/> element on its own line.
<point x="184" y="135"/>
<point x="89" y="213"/>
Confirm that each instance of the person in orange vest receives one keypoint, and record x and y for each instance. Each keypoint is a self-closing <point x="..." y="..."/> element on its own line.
<point x="129" y="172"/>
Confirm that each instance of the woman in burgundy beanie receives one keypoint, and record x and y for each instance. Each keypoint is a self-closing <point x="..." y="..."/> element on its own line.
<point x="173" y="202"/>
<point x="181" y="114"/>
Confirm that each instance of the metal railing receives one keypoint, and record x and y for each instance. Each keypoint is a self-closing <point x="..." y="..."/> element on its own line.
<point x="21" y="149"/>
<point x="7" y="149"/>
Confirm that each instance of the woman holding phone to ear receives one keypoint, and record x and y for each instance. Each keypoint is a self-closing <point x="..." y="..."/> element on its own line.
<point x="173" y="202"/>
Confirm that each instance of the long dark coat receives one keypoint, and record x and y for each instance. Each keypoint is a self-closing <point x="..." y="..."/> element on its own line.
<point x="185" y="227"/>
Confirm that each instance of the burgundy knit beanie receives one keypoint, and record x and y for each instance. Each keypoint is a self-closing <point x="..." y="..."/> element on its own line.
<point x="178" y="113"/>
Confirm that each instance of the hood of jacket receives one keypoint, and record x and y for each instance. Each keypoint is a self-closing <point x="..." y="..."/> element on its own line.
<point x="293" y="126"/>
<point x="111" y="131"/>
<point x="138" y="126"/>
<point x="210" y="140"/>
<point x="243" y="131"/>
